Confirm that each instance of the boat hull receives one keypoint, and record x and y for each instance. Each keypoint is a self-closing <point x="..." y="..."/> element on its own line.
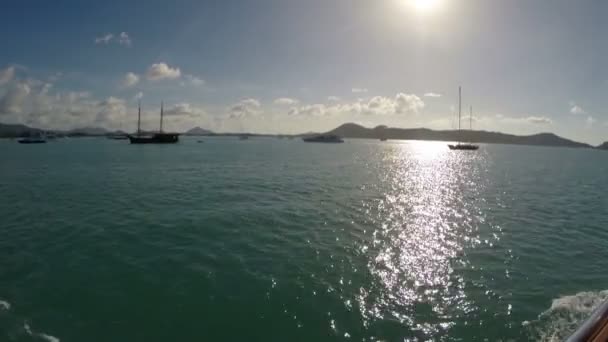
<point x="326" y="139"/>
<point x="464" y="147"/>
<point x="31" y="141"/>
<point x="159" y="138"/>
<point x="324" y="142"/>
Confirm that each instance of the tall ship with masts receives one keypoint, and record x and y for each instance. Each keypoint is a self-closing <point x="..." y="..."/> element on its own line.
<point x="153" y="138"/>
<point x="460" y="145"/>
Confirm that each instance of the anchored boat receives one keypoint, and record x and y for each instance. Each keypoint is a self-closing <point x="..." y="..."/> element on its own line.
<point x="324" y="138"/>
<point x="154" y="138"/>
<point x="460" y="145"/>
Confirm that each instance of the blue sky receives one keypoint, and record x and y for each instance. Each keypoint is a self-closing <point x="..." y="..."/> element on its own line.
<point x="295" y="66"/>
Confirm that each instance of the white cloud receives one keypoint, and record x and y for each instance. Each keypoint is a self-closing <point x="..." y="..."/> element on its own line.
<point x="541" y="120"/>
<point x="244" y="108"/>
<point x="55" y="77"/>
<point x="333" y="99"/>
<point x="576" y="109"/>
<point x="159" y="71"/>
<point x="309" y="110"/>
<point x="409" y="103"/>
<point x="105" y="39"/>
<point x="14" y="99"/>
<point x="285" y="101"/>
<point x="130" y="80"/>
<point x="138" y="96"/>
<point x="184" y="109"/>
<point x="359" y="90"/>
<point x="111" y="109"/>
<point x="590" y="121"/>
<point x="431" y="94"/>
<point x="124" y="39"/>
<point x="192" y="80"/>
<point x="7" y="75"/>
<point x="35" y="103"/>
<point x="46" y="88"/>
<point x="467" y="118"/>
<point x="377" y="105"/>
<point x="521" y="120"/>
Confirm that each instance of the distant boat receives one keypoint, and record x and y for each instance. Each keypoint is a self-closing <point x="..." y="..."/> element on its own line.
<point x="460" y="145"/>
<point x="118" y="137"/>
<point x="383" y="139"/>
<point x="324" y="138"/>
<point x="243" y="137"/>
<point x="33" y="140"/>
<point x="154" y="138"/>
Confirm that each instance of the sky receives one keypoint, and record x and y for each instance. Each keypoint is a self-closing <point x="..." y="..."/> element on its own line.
<point x="294" y="66"/>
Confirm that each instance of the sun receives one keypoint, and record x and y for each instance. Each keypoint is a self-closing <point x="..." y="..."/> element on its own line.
<point x="425" y="5"/>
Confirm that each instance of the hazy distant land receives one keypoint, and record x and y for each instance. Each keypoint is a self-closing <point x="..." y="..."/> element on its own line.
<point x="348" y="130"/>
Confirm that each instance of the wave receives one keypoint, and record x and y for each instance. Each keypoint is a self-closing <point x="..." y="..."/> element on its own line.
<point x="43" y="336"/>
<point x="565" y="315"/>
<point x="4" y="305"/>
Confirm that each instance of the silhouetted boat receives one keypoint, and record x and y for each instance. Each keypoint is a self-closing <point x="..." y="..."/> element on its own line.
<point x="32" y="140"/>
<point x="243" y="137"/>
<point x="118" y="137"/>
<point x="460" y="145"/>
<point x="154" y="138"/>
<point x="324" y="138"/>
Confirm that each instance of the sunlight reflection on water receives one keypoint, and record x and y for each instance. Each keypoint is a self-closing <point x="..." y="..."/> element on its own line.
<point x="425" y="222"/>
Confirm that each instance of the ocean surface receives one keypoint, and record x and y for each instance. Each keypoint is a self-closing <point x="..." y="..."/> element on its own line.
<point x="279" y="240"/>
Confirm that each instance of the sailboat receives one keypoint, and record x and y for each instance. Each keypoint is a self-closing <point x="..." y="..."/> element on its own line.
<point x="460" y="145"/>
<point x="154" y="138"/>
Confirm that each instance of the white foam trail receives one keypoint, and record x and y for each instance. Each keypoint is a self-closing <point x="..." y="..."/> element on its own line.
<point x="49" y="338"/>
<point x="45" y="337"/>
<point x="565" y="315"/>
<point x="5" y="305"/>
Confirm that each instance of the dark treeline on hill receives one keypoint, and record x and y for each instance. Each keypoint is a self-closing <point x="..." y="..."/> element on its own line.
<point x="351" y="130"/>
<point x="348" y="130"/>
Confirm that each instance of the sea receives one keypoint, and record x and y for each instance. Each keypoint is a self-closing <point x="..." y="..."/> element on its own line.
<point x="272" y="239"/>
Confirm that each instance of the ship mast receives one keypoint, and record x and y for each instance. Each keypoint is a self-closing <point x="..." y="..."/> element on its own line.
<point x="161" y="116"/>
<point x="459" y="109"/>
<point x="138" y="117"/>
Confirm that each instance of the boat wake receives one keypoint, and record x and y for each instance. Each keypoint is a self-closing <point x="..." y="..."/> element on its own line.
<point x="565" y="315"/>
<point x="42" y="336"/>
<point x="4" y="305"/>
<point x="7" y="320"/>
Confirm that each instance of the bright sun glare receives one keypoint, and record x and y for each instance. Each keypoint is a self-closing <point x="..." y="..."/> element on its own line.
<point x="425" y="5"/>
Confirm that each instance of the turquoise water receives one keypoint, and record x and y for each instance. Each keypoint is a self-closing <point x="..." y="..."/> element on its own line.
<point x="278" y="240"/>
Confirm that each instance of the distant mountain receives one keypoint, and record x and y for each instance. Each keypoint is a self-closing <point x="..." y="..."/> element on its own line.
<point x="17" y="130"/>
<point x="603" y="146"/>
<point x="198" y="131"/>
<point x="351" y="130"/>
